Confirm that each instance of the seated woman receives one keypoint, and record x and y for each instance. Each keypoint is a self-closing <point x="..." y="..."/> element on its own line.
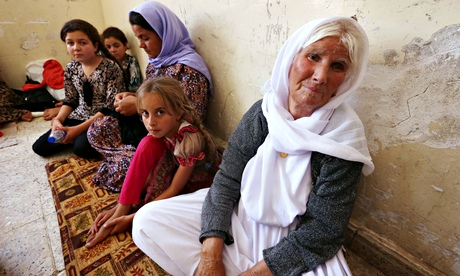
<point x="171" y="54"/>
<point x="281" y="201"/>
<point x="8" y="101"/>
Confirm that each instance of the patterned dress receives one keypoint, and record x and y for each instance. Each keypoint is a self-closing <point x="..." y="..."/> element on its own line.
<point x="88" y="96"/>
<point x="195" y="85"/>
<point x="188" y="148"/>
<point x="116" y="137"/>
<point x="8" y="99"/>
<point x="132" y="72"/>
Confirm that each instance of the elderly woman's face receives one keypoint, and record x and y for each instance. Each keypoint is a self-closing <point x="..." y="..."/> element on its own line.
<point x="315" y="75"/>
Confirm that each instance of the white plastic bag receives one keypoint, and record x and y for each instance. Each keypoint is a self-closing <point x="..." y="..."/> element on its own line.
<point x="34" y="70"/>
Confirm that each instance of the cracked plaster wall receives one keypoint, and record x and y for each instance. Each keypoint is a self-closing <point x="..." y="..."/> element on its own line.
<point x="409" y="101"/>
<point x="411" y="110"/>
<point x="30" y="30"/>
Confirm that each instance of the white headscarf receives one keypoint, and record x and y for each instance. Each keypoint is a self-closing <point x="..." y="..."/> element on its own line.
<point x="275" y="189"/>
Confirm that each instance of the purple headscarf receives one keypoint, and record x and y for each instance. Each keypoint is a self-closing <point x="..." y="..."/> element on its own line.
<point x="177" y="47"/>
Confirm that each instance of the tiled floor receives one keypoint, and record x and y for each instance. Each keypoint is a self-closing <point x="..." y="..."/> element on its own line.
<point x="30" y="241"/>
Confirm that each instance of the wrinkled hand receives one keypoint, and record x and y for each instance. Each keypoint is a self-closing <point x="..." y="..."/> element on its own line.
<point x="126" y="103"/>
<point x="211" y="258"/>
<point x="260" y="268"/>
<point x="210" y="266"/>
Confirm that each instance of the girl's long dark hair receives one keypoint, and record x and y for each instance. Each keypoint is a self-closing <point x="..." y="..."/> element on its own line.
<point x="118" y="34"/>
<point x="91" y="32"/>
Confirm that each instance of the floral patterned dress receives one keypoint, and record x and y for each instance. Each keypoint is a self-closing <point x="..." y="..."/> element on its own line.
<point x="131" y="69"/>
<point x="9" y="99"/>
<point x="116" y="137"/>
<point x="182" y="150"/>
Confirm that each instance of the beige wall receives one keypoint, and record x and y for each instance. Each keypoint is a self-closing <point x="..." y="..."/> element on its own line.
<point x="30" y="30"/>
<point x="409" y="101"/>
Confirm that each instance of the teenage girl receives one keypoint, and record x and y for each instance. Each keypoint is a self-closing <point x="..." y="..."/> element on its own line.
<point x="117" y="44"/>
<point x="187" y="163"/>
<point x="92" y="79"/>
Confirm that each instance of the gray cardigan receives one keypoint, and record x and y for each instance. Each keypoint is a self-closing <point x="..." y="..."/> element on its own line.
<point x="320" y="233"/>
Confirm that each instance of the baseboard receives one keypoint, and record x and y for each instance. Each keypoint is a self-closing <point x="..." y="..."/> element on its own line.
<point x="384" y="255"/>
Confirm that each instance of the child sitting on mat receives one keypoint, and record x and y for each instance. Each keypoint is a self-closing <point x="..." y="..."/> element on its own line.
<point x="177" y="156"/>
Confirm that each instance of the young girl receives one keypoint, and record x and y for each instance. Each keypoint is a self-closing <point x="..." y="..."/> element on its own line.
<point x="171" y="53"/>
<point x="117" y="44"/>
<point x="92" y="79"/>
<point x="187" y="163"/>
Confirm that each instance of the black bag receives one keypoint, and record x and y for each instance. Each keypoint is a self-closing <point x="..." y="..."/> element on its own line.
<point x="35" y="100"/>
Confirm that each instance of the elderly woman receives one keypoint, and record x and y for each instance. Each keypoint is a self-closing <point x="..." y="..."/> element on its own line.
<point x="282" y="198"/>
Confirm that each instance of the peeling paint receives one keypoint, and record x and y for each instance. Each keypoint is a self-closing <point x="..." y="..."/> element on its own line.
<point x="434" y="126"/>
<point x="30" y="42"/>
<point x="392" y="219"/>
<point x="38" y="21"/>
<point x="415" y="100"/>
<point x="381" y="195"/>
<point x="390" y="56"/>
<point x="456" y="267"/>
<point x="426" y="235"/>
<point x="456" y="249"/>
<point x="437" y="188"/>
<point x="53" y="35"/>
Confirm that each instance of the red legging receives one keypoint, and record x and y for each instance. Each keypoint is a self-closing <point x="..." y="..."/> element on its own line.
<point x="147" y="156"/>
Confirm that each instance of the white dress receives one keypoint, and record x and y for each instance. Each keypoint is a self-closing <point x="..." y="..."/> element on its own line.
<point x="168" y="231"/>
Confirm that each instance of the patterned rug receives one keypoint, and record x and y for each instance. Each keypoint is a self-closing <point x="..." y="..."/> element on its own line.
<point x="78" y="201"/>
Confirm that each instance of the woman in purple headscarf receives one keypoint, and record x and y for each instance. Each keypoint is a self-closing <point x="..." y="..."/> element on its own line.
<point x="171" y="53"/>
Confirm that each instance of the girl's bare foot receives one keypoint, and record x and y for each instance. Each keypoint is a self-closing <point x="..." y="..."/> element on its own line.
<point x="101" y="219"/>
<point x="99" y="232"/>
<point x="103" y="233"/>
